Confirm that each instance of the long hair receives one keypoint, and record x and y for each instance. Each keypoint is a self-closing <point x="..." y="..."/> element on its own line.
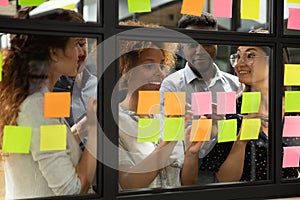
<point x="25" y="65"/>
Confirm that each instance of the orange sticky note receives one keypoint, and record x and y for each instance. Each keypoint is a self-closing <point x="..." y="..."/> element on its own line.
<point x="174" y="103"/>
<point x="148" y="102"/>
<point x="201" y="130"/>
<point x="53" y="137"/>
<point x="192" y="7"/>
<point x="57" y="104"/>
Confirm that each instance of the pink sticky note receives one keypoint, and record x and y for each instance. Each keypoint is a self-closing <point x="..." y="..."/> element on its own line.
<point x="3" y="2"/>
<point x="201" y="103"/>
<point x="291" y="126"/>
<point x="290" y="157"/>
<point x="222" y="8"/>
<point x="226" y="103"/>
<point x="293" y="20"/>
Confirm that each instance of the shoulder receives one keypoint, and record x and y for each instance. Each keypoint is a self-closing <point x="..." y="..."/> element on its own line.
<point x="175" y="79"/>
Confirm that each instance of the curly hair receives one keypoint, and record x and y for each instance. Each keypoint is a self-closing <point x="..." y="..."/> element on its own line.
<point x="130" y="51"/>
<point x="206" y="20"/>
<point x="25" y="65"/>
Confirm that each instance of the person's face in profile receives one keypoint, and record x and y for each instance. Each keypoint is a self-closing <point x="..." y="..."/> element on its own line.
<point x="252" y="65"/>
<point x="149" y="71"/>
<point x="199" y="56"/>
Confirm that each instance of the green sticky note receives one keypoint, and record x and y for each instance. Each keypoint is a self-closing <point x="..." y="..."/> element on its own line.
<point x="16" y="139"/>
<point x="250" y="9"/>
<point x="148" y="130"/>
<point x="53" y="137"/>
<point x="291" y="74"/>
<point x="250" y="102"/>
<point x="135" y="6"/>
<point x="291" y="101"/>
<point x="0" y="67"/>
<point x="293" y="1"/>
<point x="174" y="129"/>
<point x="227" y="130"/>
<point x="250" y="129"/>
<point x="30" y="2"/>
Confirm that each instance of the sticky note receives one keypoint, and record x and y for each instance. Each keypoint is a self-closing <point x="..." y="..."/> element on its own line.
<point x="1" y="67"/>
<point x="226" y="103"/>
<point x="148" y="102"/>
<point x="16" y="139"/>
<point x="192" y="7"/>
<point x="227" y="130"/>
<point x="148" y="130"/>
<point x="30" y="2"/>
<point x="293" y="19"/>
<point x="291" y="127"/>
<point x="291" y="74"/>
<point x="291" y="101"/>
<point x="57" y="104"/>
<point x="69" y="7"/>
<point x="222" y="8"/>
<point x="173" y="129"/>
<point x="293" y="1"/>
<point x="201" y="103"/>
<point x="250" y="102"/>
<point x="139" y="6"/>
<point x="290" y="157"/>
<point x="4" y="3"/>
<point x="250" y="9"/>
<point x="174" y="103"/>
<point x="53" y="137"/>
<point x="201" y="130"/>
<point x="250" y="129"/>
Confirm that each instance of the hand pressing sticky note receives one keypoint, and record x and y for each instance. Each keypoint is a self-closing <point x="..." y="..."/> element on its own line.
<point x="173" y="129"/>
<point x="227" y="130"/>
<point x="291" y="74"/>
<point x="136" y="6"/>
<point x="250" y="102"/>
<point x="192" y="7"/>
<point x="250" y="9"/>
<point x="30" y="2"/>
<point x="201" y="130"/>
<point x="222" y="8"/>
<point x="293" y="19"/>
<point x="4" y="3"/>
<point x="148" y="130"/>
<point x="291" y="126"/>
<point x="16" y="139"/>
<point x="290" y="157"/>
<point x="57" y="104"/>
<point x="291" y="101"/>
<point x="250" y="129"/>
<point x="226" y="103"/>
<point x="201" y="103"/>
<point x="174" y="103"/>
<point x="53" y="137"/>
<point x="148" y="102"/>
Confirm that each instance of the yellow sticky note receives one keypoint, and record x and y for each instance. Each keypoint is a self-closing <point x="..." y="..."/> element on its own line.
<point x="174" y="129"/>
<point x="30" y="2"/>
<point x="148" y="130"/>
<point x="201" y="130"/>
<point x="174" y="103"/>
<point x="291" y="101"/>
<point x="227" y="130"/>
<point x="69" y="7"/>
<point x="57" y="104"/>
<point x="250" y="129"/>
<point x="250" y="102"/>
<point x="53" y="137"/>
<point x="291" y="74"/>
<point x="16" y="139"/>
<point x="250" y="9"/>
<point x="192" y="7"/>
<point x="148" y="102"/>
<point x="293" y="1"/>
<point x="135" y="6"/>
<point x="1" y="67"/>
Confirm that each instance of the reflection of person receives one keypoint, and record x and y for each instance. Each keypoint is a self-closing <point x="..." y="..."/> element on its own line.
<point x="248" y="160"/>
<point x="31" y="67"/>
<point x="200" y="74"/>
<point x="148" y="164"/>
